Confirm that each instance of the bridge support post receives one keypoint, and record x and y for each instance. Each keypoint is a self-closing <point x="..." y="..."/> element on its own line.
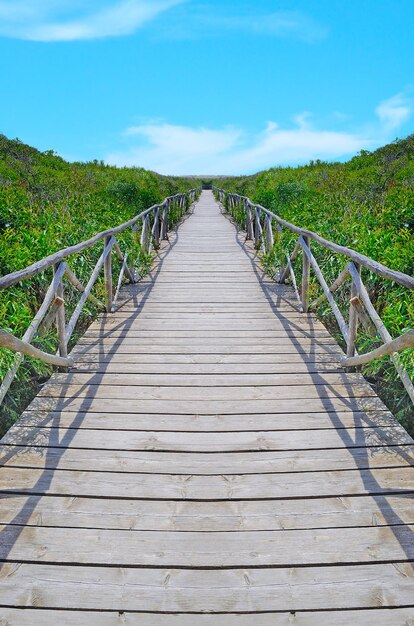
<point x="269" y="234"/>
<point x="257" y="228"/>
<point x="305" y="277"/>
<point x="60" y="317"/>
<point x="108" y="277"/>
<point x="353" y="317"/>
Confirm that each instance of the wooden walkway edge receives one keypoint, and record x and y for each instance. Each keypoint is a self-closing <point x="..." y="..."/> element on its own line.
<point x="207" y="463"/>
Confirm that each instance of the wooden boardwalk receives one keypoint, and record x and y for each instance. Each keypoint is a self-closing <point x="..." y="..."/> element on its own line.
<point x="207" y="460"/>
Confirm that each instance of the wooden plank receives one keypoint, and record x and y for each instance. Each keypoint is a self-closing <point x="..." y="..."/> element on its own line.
<point x="209" y="407"/>
<point x="199" y="393"/>
<point x="213" y="464"/>
<point x="230" y="463"/>
<point x="207" y="423"/>
<point x="188" y="324"/>
<point x="221" y="516"/>
<point x="199" y="341"/>
<point x="237" y="487"/>
<point x="321" y="359"/>
<point x="139" y="347"/>
<point x="243" y="334"/>
<point x="283" y="308"/>
<point x="185" y="368"/>
<point x="380" y="617"/>
<point x="208" y="380"/>
<point x="224" y="441"/>
<point x="158" y="311"/>
<point x="342" y="546"/>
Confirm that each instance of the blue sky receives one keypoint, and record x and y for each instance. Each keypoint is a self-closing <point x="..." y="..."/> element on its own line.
<point x="206" y="87"/>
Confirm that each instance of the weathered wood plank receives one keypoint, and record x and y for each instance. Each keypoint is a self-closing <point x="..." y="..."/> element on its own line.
<point x="317" y="390"/>
<point x="209" y="407"/>
<point x="229" y="463"/>
<point x="184" y="516"/>
<point x="186" y="326"/>
<point x="207" y="423"/>
<point x="224" y="441"/>
<point x="380" y="617"/>
<point x="184" y="368"/>
<point x="115" y="589"/>
<point x="342" y="546"/>
<point x="242" y="334"/>
<point x="192" y="487"/>
<point x="195" y="342"/>
<point x="301" y="350"/>
<point x="208" y="380"/>
<point x="321" y="359"/>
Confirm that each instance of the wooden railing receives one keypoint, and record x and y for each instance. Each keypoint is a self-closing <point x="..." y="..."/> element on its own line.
<point x="149" y="228"/>
<point x="259" y="225"/>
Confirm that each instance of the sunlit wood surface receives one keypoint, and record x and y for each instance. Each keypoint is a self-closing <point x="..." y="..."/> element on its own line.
<point x="207" y="463"/>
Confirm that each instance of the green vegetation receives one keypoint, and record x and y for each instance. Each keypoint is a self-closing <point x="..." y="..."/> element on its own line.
<point x="47" y="204"/>
<point x="366" y="204"/>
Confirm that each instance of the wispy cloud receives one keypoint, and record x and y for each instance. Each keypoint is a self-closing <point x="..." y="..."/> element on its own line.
<point x="276" y="24"/>
<point x="201" y="20"/>
<point x="173" y="149"/>
<point x="63" y="20"/>
<point x="395" y="111"/>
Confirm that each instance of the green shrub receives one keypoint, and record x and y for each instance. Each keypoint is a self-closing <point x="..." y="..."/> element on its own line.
<point x="47" y="204"/>
<point x="366" y="204"/>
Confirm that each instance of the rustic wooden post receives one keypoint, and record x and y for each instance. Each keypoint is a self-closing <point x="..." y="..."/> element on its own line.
<point x="60" y="317"/>
<point x="305" y="277"/>
<point x="133" y="255"/>
<point x="164" y="220"/>
<point x="250" y="223"/>
<point x="248" y="220"/>
<point x="143" y="238"/>
<point x="108" y="277"/>
<point x="257" y="227"/>
<point x="269" y="234"/>
<point x="353" y="317"/>
<point x="282" y="270"/>
<point x="156" y="235"/>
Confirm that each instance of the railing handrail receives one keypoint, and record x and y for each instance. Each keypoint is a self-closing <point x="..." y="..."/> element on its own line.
<point x="53" y="309"/>
<point x="374" y="266"/>
<point x="52" y="259"/>
<point x="361" y="308"/>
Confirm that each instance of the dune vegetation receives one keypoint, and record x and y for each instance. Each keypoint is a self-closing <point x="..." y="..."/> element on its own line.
<point x="47" y="204"/>
<point x="366" y="204"/>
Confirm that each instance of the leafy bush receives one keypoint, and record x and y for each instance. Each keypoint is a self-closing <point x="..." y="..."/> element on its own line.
<point x="366" y="204"/>
<point x="47" y="204"/>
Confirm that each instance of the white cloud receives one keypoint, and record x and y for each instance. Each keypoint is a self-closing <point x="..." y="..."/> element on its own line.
<point x="278" y="24"/>
<point x="66" y="20"/>
<point x="202" y="20"/>
<point x="394" y="111"/>
<point x="170" y="149"/>
<point x="173" y="149"/>
<point x="61" y="20"/>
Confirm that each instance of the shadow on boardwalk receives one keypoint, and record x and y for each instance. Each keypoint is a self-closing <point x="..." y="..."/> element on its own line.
<point x="359" y="448"/>
<point x="54" y="448"/>
<point x="276" y="296"/>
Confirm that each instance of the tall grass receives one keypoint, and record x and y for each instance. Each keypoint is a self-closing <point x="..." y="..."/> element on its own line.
<point x="366" y="204"/>
<point x="47" y="204"/>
